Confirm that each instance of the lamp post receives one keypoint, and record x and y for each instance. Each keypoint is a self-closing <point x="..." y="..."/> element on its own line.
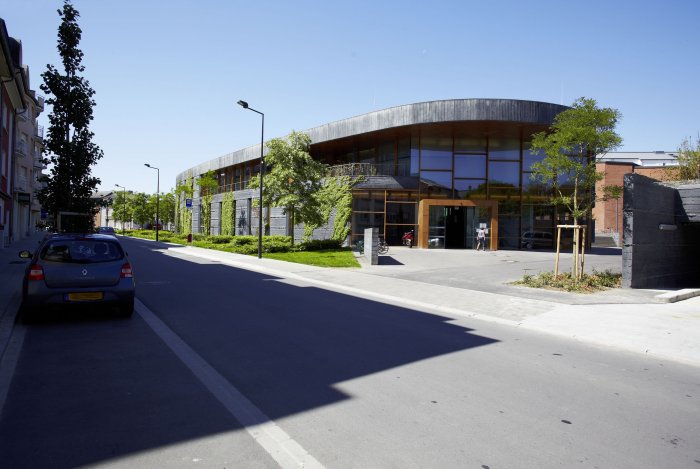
<point x="123" y="205"/>
<point x="157" y="197"/>
<point x="262" y="170"/>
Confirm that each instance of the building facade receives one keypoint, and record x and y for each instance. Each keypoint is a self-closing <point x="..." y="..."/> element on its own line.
<point x="28" y="165"/>
<point x="21" y="144"/>
<point x="440" y="168"/>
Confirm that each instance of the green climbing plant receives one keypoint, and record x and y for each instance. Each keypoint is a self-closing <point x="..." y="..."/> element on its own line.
<point x="228" y="214"/>
<point x="184" y="216"/>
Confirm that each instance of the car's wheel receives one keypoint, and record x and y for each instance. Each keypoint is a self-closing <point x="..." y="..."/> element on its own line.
<point x="126" y="310"/>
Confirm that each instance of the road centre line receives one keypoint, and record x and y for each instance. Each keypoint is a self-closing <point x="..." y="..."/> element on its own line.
<point x="275" y="441"/>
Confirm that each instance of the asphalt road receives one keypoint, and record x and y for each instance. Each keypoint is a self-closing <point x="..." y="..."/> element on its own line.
<point x="222" y="367"/>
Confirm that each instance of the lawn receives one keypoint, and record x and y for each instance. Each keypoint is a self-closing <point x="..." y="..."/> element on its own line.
<point x="326" y="258"/>
<point x="342" y="257"/>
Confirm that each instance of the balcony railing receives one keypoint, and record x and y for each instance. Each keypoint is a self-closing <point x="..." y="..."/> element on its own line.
<point x="351" y="169"/>
<point x="20" y="148"/>
<point x="370" y="169"/>
<point x="21" y="184"/>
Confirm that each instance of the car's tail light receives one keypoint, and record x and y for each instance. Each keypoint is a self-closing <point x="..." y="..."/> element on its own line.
<point x="36" y="272"/>
<point x="126" y="271"/>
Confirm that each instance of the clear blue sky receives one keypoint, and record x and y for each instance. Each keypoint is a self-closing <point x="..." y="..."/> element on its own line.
<point x="167" y="74"/>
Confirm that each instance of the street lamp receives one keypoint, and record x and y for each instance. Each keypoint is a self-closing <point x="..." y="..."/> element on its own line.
<point x="123" y="206"/>
<point x="262" y="170"/>
<point x="157" y="197"/>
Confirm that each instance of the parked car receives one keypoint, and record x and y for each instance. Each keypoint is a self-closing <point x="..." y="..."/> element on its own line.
<point x="106" y="230"/>
<point x="536" y="239"/>
<point x="77" y="270"/>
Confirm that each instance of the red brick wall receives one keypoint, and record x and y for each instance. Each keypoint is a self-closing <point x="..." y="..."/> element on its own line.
<point x="604" y="211"/>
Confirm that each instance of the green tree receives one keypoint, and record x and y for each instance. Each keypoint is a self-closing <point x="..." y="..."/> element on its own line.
<point x="122" y="210"/>
<point x="293" y="180"/>
<point x="143" y="212"/>
<point x="688" y="161"/>
<point x="69" y="146"/>
<point x="572" y="146"/>
<point x="167" y="208"/>
<point x="208" y="186"/>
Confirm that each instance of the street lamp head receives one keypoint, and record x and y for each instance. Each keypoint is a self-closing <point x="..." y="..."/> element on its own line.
<point x="147" y="165"/>
<point x="243" y="104"/>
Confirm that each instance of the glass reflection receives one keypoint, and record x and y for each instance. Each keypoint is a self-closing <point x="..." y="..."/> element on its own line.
<point x="470" y="166"/>
<point x="504" y="173"/>
<point x="504" y="149"/>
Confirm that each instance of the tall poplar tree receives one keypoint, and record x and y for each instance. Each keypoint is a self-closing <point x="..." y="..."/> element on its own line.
<point x="68" y="144"/>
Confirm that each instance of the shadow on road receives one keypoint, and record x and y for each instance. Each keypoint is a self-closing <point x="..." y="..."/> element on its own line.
<point x="94" y="390"/>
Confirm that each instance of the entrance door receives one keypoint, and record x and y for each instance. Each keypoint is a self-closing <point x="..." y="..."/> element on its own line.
<point x="452" y="227"/>
<point x="455" y="227"/>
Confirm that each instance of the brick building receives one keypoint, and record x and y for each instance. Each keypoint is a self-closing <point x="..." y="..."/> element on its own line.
<point x="655" y="165"/>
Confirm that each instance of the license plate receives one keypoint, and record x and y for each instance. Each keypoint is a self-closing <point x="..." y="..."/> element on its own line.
<point x="85" y="296"/>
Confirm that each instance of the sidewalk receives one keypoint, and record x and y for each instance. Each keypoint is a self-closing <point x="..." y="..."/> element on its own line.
<point x="628" y="319"/>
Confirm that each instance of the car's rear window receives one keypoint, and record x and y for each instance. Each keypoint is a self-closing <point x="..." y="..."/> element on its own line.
<point x="84" y="251"/>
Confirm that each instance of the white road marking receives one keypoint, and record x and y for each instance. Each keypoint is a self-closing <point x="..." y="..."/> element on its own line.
<point x="275" y="441"/>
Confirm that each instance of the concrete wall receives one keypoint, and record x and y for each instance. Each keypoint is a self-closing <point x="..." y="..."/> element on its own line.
<point x="661" y="249"/>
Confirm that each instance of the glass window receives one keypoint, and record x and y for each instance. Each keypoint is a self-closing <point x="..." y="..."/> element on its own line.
<point x="470" y="144"/>
<point x="437" y="179"/>
<point x="470" y="166"/>
<point x="401" y="213"/>
<point x="405" y="158"/>
<point x="366" y="156"/>
<point x="436" y="153"/>
<point x="530" y="157"/>
<point x="504" y="173"/>
<point x="470" y="188"/>
<point x="368" y="202"/>
<point x="385" y="158"/>
<point x="504" y="149"/>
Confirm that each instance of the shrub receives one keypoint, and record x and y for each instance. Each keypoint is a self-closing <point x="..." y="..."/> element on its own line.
<point x="587" y="284"/>
<point x="244" y="240"/>
<point x="222" y="239"/>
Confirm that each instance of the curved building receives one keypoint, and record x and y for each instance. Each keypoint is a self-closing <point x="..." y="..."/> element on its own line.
<point x="441" y="168"/>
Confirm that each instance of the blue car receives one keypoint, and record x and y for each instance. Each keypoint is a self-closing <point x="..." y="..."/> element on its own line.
<point x="77" y="270"/>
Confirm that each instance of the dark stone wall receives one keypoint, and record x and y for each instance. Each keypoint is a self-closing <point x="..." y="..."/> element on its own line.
<point x="653" y="257"/>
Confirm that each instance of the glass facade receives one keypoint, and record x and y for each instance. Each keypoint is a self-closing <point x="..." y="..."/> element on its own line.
<point x="479" y="162"/>
<point x="464" y="161"/>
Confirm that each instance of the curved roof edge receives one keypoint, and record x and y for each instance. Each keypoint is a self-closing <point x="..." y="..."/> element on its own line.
<point x="428" y="112"/>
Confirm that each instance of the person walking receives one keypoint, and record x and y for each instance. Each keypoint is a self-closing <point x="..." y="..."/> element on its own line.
<point x="481" y="239"/>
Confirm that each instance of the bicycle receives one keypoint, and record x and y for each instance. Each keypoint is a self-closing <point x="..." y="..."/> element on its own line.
<point x="383" y="248"/>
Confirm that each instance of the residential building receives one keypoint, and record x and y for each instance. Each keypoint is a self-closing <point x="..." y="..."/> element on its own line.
<point x="28" y="164"/>
<point x="12" y="88"/>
